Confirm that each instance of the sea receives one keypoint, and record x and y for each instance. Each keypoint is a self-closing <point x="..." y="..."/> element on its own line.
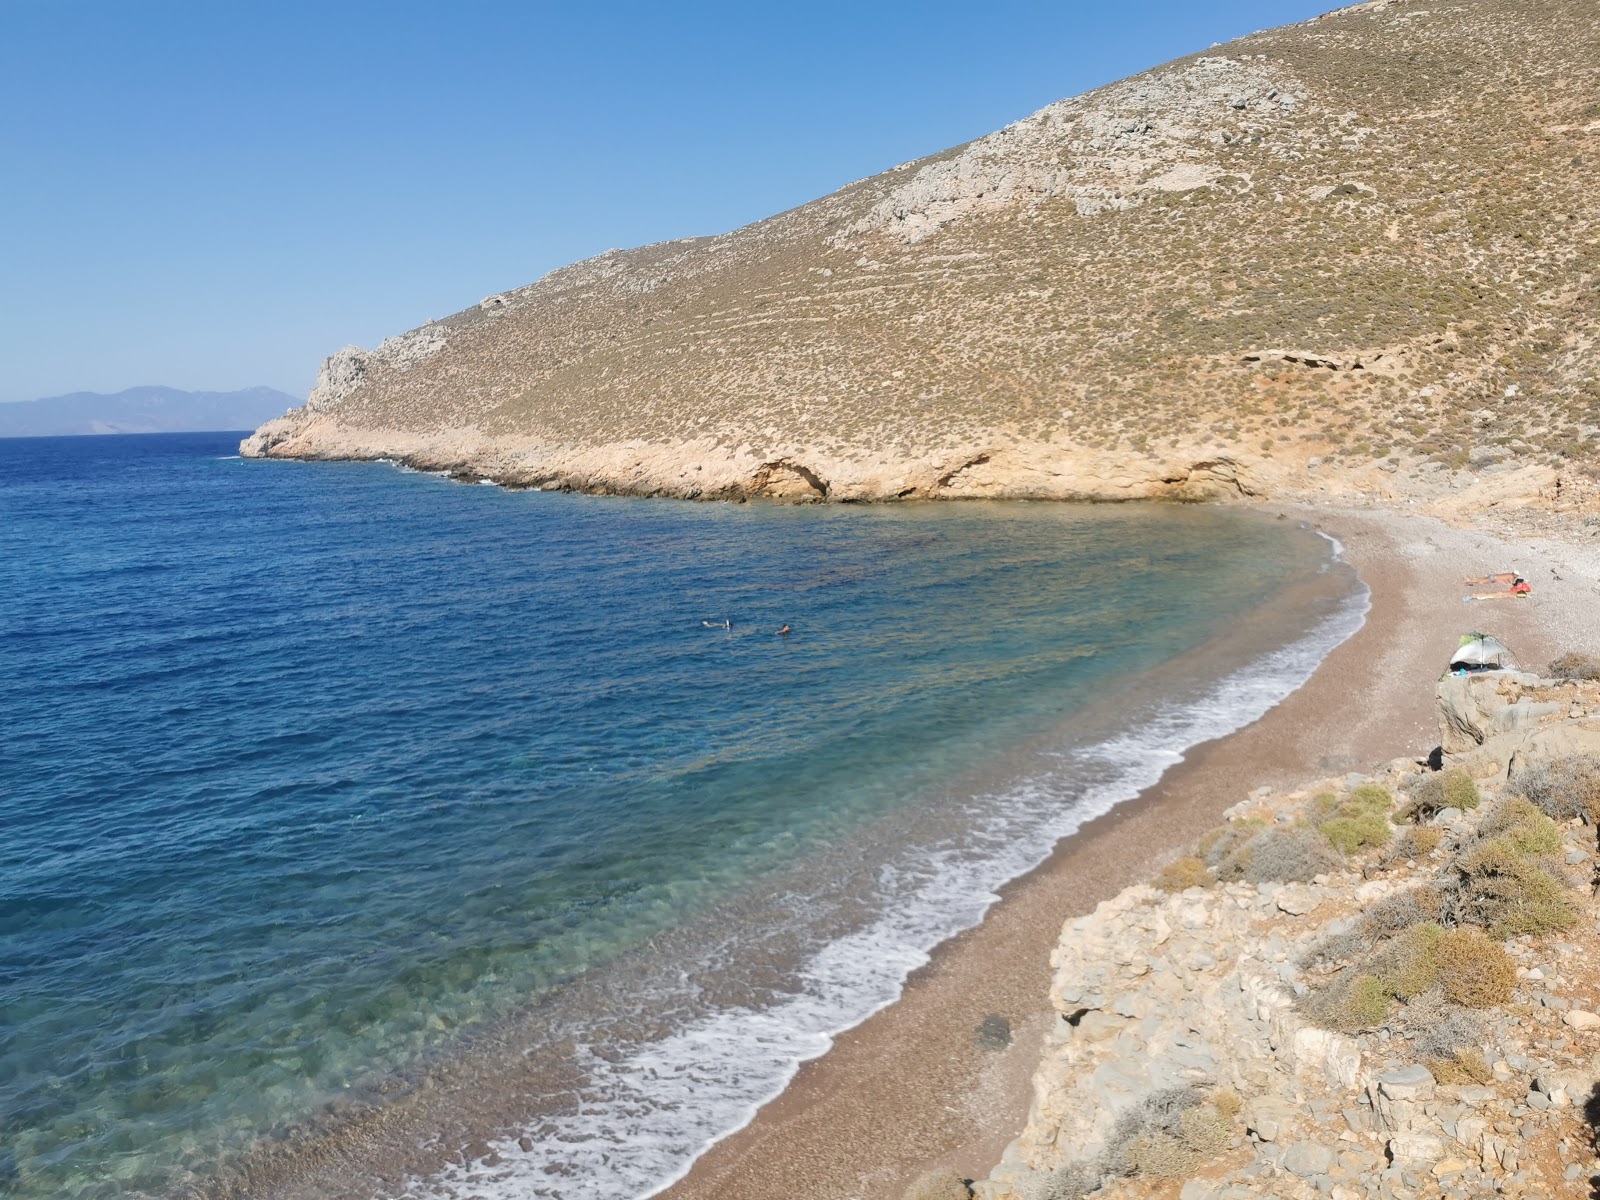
<point x="368" y="833"/>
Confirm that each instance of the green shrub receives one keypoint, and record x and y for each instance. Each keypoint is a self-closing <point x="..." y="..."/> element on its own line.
<point x="1508" y="893"/>
<point x="1460" y="790"/>
<point x="1519" y="821"/>
<point x="1369" y="798"/>
<point x="1350" y="1002"/>
<point x="1349" y="834"/>
<point x="1408" y="965"/>
<point x="1360" y="820"/>
<point x="1506" y="881"/>
<point x="1475" y="971"/>
<point x="1368" y="1002"/>
<point x="1184" y="874"/>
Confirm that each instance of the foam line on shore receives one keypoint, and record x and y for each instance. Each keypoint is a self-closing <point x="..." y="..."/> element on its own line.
<point x="647" y="1116"/>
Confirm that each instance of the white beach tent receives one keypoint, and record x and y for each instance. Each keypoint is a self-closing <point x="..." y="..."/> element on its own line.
<point x="1480" y="652"/>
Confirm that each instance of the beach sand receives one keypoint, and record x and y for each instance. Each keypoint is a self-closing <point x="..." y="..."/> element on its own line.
<point x="915" y="1087"/>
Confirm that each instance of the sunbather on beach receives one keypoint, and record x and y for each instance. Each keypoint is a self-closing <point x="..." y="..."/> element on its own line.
<point x="1519" y="587"/>
<point x="1506" y="577"/>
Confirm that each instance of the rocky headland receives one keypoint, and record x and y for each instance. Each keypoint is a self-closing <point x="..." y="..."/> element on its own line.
<point x="1380" y="985"/>
<point x="1351" y="258"/>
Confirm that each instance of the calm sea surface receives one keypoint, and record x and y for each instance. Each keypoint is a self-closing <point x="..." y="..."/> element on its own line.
<point x="331" y="788"/>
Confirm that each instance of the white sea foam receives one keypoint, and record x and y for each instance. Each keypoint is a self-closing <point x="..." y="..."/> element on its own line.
<point x="648" y="1116"/>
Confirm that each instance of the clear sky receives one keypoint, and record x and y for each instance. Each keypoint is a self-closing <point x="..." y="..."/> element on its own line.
<point x="215" y="195"/>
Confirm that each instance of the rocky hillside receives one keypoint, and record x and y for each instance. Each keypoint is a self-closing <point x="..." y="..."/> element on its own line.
<point x="1369" y="987"/>
<point x="1356" y="254"/>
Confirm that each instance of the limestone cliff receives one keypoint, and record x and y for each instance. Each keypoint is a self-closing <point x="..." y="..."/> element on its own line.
<point x="1356" y="255"/>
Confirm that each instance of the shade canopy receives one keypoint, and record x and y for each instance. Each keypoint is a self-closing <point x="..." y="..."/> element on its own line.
<point x="1480" y="650"/>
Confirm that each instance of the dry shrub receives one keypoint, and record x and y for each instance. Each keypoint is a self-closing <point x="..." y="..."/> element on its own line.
<point x="1573" y="665"/>
<point x="1510" y="893"/>
<point x="1227" y="1102"/>
<point x="1223" y="846"/>
<point x="1158" y="1155"/>
<point x="1564" y="788"/>
<point x="1436" y="1028"/>
<point x="1414" y="842"/>
<point x="1072" y="1182"/>
<point x="1184" y="874"/>
<point x="1462" y="1066"/>
<point x="1350" y="1002"/>
<point x="1507" y="880"/>
<point x="1148" y="1138"/>
<point x="1475" y="971"/>
<point x="940" y="1184"/>
<point x="1286" y="856"/>
<point x="1205" y="1130"/>
<point x="1432" y="794"/>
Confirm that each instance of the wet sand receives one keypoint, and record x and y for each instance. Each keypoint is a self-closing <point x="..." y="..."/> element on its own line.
<point x="913" y="1087"/>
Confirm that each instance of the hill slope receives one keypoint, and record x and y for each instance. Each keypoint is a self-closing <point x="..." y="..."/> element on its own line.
<point x="141" y="410"/>
<point x="1360" y="253"/>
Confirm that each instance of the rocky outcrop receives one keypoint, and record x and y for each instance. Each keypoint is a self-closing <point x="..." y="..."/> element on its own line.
<point x="1497" y="724"/>
<point x="1167" y="991"/>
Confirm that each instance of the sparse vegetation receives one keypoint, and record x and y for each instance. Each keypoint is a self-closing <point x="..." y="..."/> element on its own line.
<point x="1564" y="788"/>
<point x="1573" y="665"/>
<point x="1432" y="794"/>
<point x="1282" y="856"/>
<point x="1360" y="820"/>
<point x="1183" y="874"/>
<point x="1069" y="304"/>
<point x="1474" y="970"/>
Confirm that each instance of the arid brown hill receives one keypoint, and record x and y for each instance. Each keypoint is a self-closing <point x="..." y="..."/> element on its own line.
<point x="1355" y="254"/>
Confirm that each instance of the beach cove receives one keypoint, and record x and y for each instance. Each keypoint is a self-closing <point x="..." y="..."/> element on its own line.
<point x="917" y="1086"/>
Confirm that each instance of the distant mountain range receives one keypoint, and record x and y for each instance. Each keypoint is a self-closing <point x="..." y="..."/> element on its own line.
<point x="143" y="410"/>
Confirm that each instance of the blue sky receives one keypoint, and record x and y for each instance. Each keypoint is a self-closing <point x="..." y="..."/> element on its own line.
<point x="215" y="195"/>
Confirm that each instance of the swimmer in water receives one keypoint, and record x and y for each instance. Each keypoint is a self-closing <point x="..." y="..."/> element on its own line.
<point x="784" y="632"/>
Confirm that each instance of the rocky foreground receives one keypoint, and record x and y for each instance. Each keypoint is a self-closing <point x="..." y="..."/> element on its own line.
<point x="1373" y="986"/>
<point x="1359" y="256"/>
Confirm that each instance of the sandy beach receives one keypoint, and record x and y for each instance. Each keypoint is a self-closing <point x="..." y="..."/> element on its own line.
<point x="916" y="1086"/>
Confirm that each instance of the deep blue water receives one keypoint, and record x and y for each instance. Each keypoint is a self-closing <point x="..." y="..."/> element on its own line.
<point x="312" y="770"/>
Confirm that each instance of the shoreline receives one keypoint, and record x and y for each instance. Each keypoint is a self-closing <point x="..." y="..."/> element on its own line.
<point x="914" y="1086"/>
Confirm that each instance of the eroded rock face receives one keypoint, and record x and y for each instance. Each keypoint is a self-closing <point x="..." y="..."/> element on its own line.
<point x="1497" y="724"/>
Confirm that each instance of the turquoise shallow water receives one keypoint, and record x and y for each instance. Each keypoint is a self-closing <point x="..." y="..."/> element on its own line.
<point x="317" y="777"/>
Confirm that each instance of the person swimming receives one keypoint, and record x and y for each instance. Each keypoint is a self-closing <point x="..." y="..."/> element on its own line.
<point x="725" y="623"/>
<point x="784" y="632"/>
